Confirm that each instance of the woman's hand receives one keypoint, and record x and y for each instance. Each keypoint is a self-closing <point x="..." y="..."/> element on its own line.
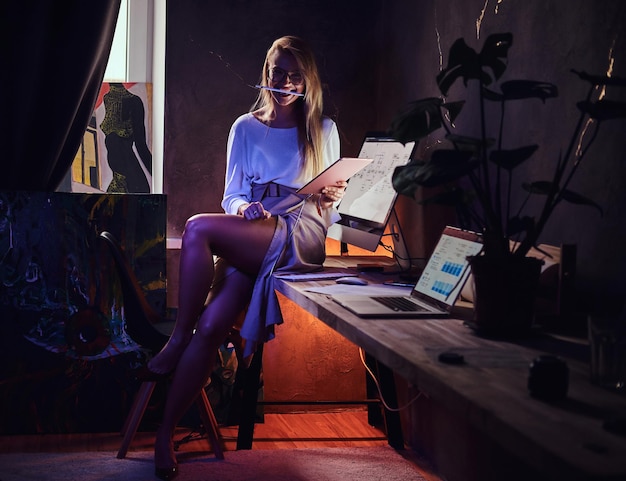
<point x="332" y="193"/>
<point x="254" y="211"/>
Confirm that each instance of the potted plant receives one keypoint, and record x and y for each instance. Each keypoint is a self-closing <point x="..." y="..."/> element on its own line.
<point x="476" y="174"/>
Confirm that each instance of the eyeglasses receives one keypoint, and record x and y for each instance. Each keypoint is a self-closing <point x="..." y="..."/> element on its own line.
<point x="277" y="75"/>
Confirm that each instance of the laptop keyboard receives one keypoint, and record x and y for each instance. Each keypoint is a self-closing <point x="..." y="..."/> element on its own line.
<point x="399" y="304"/>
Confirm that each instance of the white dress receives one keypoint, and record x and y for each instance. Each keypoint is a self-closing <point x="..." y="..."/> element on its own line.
<point x="263" y="164"/>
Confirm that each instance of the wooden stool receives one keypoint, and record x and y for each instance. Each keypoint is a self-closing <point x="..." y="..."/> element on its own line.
<point x="140" y="321"/>
<point x="139" y="408"/>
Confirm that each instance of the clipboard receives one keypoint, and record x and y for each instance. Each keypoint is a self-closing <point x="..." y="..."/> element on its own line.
<point x="342" y="169"/>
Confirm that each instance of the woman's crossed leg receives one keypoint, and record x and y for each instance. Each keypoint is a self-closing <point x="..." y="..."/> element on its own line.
<point x="240" y="244"/>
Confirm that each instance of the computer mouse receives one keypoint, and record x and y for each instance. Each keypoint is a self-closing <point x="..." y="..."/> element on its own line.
<point x="352" y="280"/>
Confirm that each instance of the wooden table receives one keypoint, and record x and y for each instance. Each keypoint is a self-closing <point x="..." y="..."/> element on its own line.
<point x="564" y="440"/>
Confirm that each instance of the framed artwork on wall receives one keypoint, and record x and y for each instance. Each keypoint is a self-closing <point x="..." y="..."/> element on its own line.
<point x="115" y="155"/>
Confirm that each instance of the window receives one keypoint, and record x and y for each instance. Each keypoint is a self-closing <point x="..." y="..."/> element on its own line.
<point x="116" y="68"/>
<point x="132" y="50"/>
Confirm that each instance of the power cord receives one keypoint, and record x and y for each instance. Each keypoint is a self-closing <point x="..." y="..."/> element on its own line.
<point x="380" y="394"/>
<point x="397" y="257"/>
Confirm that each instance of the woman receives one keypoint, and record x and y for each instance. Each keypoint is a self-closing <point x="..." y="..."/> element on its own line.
<point x="272" y="150"/>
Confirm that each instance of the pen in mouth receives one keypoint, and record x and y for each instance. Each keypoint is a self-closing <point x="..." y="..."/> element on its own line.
<point x="288" y="92"/>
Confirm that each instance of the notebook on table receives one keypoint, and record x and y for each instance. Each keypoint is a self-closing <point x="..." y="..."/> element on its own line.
<point x="437" y="288"/>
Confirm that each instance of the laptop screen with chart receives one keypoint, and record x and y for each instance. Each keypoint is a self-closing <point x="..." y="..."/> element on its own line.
<point x="369" y="198"/>
<point x="436" y="290"/>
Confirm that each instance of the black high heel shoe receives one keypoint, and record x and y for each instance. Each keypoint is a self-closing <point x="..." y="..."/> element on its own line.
<point x="166" y="473"/>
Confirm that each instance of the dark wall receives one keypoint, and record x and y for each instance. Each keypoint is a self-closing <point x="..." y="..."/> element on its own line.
<point x="376" y="56"/>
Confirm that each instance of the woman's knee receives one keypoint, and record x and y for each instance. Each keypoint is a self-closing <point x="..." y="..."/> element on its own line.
<point x="211" y="332"/>
<point x="198" y="227"/>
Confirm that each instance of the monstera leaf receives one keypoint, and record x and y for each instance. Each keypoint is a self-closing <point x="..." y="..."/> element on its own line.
<point x="522" y="89"/>
<point x="464" y="62"/>
<point x="423" y="117"/>
<point x="603" y="109"/>
<point x="545" y="187"/>
<point x="509" y="159"/>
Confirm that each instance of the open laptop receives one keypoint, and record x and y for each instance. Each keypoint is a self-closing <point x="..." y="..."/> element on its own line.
<point x="436" y="290"/>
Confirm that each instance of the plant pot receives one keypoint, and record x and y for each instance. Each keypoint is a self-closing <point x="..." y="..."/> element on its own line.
<point x="504" y="294"/>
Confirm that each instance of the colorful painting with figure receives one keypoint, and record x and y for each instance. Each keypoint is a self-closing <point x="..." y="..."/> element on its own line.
<point x="66" y="359"/>
<point x="116" y="153"/>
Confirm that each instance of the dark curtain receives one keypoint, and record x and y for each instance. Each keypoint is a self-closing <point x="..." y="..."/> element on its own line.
<point x="53" y="54"/>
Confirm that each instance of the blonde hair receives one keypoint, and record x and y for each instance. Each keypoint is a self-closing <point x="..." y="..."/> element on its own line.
<point x="310" y="106"/>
